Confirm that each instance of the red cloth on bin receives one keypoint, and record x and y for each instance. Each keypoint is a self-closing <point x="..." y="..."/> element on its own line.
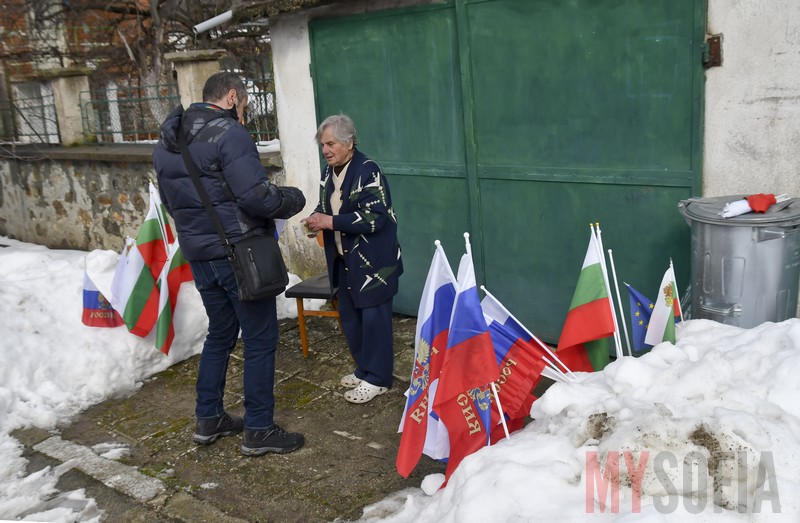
<point x="761" y="202"/>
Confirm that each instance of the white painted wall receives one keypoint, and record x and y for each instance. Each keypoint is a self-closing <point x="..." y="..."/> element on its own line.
<point x="752" y="102"/>
<point x="294" y="93"/>
<point x="297" y="124"/>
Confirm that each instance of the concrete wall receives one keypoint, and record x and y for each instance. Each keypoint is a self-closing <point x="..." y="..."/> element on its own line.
<point x="752" y="103"/>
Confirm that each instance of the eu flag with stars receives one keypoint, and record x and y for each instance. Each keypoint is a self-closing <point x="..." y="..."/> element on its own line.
<point x="641" y="309"/>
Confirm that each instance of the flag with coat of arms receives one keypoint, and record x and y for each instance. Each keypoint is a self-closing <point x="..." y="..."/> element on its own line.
<point x="422" y="430"/>
<point x="666" y="311"/>
<point x="463" y="398"/>
<point x="97" y="310"/>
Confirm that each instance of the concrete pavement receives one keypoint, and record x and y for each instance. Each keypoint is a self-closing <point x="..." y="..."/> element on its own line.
<point x="346" y="463"/>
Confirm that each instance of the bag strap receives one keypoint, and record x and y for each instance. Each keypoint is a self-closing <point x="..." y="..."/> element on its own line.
<point x="190" y="166"/>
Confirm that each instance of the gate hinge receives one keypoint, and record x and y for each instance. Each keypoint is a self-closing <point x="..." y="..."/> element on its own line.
<point x="712" y="51"/>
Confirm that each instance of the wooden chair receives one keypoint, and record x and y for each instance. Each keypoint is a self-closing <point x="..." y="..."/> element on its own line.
<point x="317" y="287"/>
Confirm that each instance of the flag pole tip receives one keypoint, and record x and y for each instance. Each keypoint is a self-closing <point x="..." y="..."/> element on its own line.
<point x="437" y="243"/>
<point x="483" y="288"/>
<point x="466" y="236"/>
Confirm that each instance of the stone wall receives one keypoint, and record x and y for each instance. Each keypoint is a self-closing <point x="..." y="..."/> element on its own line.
<point x="92" y="197"/>
<point x="83" y="198"/>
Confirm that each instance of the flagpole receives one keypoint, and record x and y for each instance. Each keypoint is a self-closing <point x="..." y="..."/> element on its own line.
<point x="559" y="376"/>
<point x="677" y="296"/>
<point x="494" y="387"/>
<point x="619" y="300"/>
<point x="599" y="245"/>
<point x="500" y="410"/>
<point x="159" y="216"/>
<point x="533" y="336"/>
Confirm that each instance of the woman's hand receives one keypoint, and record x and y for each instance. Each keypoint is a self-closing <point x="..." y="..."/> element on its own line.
<point x="317" y="222"/>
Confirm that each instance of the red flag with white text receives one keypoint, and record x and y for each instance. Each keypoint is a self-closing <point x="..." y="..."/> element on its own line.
<point x="463" y="398"/>
<point x="420" y="427"/>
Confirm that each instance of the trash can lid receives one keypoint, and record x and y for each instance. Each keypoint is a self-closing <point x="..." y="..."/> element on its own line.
<point x="707" y="210"/>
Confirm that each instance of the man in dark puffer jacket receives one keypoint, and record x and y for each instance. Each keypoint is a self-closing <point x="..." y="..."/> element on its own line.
<point x="247" y="203"/>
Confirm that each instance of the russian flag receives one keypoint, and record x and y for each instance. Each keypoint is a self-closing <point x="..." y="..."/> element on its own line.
<point x="463" y="399"/>
<point x="422" y="430"/>
<point x="519" y="357"/>
<point x="97" y="311"/>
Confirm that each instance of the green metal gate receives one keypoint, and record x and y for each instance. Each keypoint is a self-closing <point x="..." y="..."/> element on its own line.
<point x="522" y="121"/>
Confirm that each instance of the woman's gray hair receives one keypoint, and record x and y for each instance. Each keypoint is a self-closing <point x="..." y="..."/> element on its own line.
<point x="342" y="127"/>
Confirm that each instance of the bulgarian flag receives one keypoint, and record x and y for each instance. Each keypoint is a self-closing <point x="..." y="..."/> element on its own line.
<point x="666" y="308"/>
<point x="135" y="290"/>
<point x="584" y="340"/>
<point x="174" y="273"/>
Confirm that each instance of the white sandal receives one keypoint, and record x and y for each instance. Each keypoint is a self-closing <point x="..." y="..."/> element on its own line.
<point x="364" y="392"/>
<point x="350" y="381"/>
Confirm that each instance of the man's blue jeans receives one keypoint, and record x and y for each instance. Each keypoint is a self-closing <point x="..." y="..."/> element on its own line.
<point x="259" y="325"/>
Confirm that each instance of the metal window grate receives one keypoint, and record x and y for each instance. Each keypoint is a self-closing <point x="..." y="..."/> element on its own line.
<point x="262" y="117"/>
<point x="119" y="114"/>
<point x="30" y="117"/>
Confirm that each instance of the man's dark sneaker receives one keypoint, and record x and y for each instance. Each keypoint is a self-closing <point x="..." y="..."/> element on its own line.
<point x="258" y="442"/>
<point x="208" y="430"/>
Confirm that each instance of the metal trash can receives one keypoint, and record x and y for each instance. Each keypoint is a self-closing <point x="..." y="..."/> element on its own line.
<point x="745" y="269"/>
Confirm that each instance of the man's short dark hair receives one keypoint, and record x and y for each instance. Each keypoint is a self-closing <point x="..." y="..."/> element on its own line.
<point x="218" y="85"/>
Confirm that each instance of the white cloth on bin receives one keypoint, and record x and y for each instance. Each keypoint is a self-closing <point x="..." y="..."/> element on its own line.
<point x="736" y="208"/>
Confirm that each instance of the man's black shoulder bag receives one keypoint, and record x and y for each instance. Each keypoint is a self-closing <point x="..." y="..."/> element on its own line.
<point x="256" y="259"/>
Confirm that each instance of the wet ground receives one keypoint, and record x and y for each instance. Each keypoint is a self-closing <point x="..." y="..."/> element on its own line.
<point x="346" y="464"/>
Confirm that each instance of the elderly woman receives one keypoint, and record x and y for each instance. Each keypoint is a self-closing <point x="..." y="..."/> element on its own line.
<point x="359" y="229"/>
